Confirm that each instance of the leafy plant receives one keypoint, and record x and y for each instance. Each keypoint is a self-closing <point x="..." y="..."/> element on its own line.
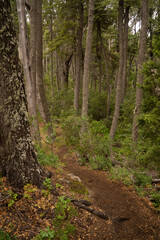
<point x="156" y="199"/>
<point x="47" y="159"/>
<point x="6" y="235"/>
<point x="29" y="189"/>
<point x="62" y="228"/>
<point x="141" y="179"/>
<point x="13" y="197"/>
<point x="121" y="174"/>
<point x="48" y="184"/>
<point x="46" y="234"/>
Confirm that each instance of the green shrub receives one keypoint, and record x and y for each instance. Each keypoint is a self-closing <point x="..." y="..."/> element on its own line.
<point x="141" y="179"/>
<point x="97" y="105"/>
<point x="6" y="235"/>
<point x="62" y="228"/>
<point x="156" y="199"/>
<point x="121" y="174"/>
<point x="71" y="126"/>
<point x="47" y="159"/>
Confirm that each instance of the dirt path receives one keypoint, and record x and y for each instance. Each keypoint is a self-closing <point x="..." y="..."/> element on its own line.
<point x="117" y="201"/>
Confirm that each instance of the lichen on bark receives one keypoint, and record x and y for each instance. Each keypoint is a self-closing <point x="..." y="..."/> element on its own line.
<point x="18" y="161"/>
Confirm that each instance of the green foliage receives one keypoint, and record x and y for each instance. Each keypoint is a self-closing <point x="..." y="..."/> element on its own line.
<point x="6" y="235"/>
<point x="12" y="198"/>
<point x="62" y="228"/>
<point x="95" y="146"/>
<point x="97" y="105"/>
<point x="71" y="126"/>
<point x="48" y="185"/>
<point x="46" y="234"/>
<point x="121" y="174"/>
<point x="78" y="187"/>
<point x="29" y="189"/>
<point x="63" y="102"/>
<point x="141" y="179"/>
<point x="156" y="199"/>
<point x="47" y="159"/>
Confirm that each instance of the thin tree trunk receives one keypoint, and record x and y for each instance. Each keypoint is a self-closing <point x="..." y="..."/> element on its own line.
<point x="125" y="45"/>
<point x="34" y="116"/>
<point x="40" y="69"/>
<point x="52" y="87"/>
<point x="87" y="60"/>
<point x="25" y="48"/>
<point x="18" y="161"/>
<point x="107" y="76"/>
<point x="120" y="71"/>
<point x="78" y="60"/>
<point x="141" y="59"/>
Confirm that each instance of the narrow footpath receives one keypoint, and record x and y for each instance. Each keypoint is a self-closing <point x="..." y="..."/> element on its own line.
<point x="117" y="201"/>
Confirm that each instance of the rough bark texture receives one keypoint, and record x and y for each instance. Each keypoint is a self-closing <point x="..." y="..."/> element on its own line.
<point x="141" y="59"/>
<point x="18" y="160"/>
<point x="120" y="72"/>
<point x="87" y="59"/>
<point x="78" y="60"/>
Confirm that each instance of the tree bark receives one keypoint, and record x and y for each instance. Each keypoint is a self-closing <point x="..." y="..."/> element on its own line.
<point x="78" y="60"/>
<point x="25" y="48"/>
<point x="39" y="69"/>
<point x="141" y="59"/>
<point x="33" y="110"/>
<point x="120" y="72"/>
<point x="87" y="60"/>
<point x="18" y="161"/>
<point x="125" y="45"/>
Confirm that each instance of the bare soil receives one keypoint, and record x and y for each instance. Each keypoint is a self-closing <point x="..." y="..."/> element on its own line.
<point x="130" y="217"/>
<point x="117" y="201"/>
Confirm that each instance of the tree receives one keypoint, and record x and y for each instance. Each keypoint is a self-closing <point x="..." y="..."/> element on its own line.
<point x="18" y="161"/>
<point x="120" y="71"/>
<point x="141" y="59"/>
<point x="39" y="68"/>
<point x="78" y="58"/>
<point x="87" y="59"/>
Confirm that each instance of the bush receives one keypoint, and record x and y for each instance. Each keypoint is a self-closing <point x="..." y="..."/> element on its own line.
<point x="71" y="126"/>
<point x="5" y="235"/>
<point x="47" y="159"/>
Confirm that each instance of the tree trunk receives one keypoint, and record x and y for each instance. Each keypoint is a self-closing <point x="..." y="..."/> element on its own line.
<point x="78" y="60"/>
<point x="141" y="59"/>
<point x="120" y="71"/>
<point x="39" y="68"/>
<point x="18" y="160"/>
<point x="25" y="48"/>
<point x="125" y="45"/>
<point x="33" y="39"/>
<point x="52" y="87"/>
<point x="87" y="59"/>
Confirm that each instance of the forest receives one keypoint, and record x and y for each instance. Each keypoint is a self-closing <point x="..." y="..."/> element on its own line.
<point x="80" y="119"/>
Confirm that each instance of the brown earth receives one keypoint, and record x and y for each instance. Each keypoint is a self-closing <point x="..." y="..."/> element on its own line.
<point x="117" y="201"/>
<point x="28" y="215"/>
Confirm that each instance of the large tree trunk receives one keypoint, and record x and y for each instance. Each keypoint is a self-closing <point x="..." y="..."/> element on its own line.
<point x="141" y="59"/>
<point x="78" y="60"/>
<point x="87" y="59"/>
<point x="120" y="72"/>
<point x="18" y="160"/>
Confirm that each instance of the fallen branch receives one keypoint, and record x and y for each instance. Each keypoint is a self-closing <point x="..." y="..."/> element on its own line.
<point x="155" y="180"/>
<point x="91" y="210"/>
